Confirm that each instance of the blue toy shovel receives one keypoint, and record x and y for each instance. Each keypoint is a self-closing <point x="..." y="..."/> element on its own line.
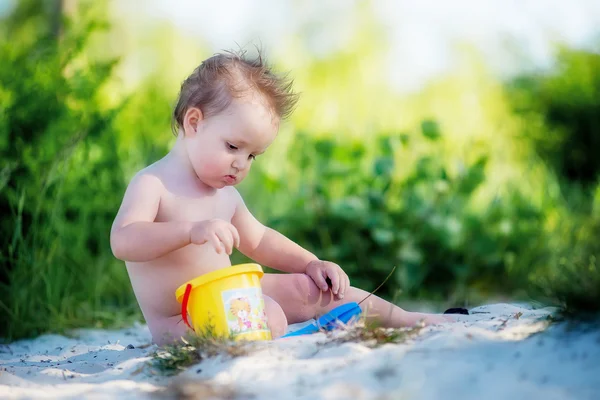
<point x="329" y="321"/>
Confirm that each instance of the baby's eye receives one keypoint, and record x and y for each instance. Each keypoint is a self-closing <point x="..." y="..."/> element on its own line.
<point x="252" y="157"/>
<point x="231" y="147"/>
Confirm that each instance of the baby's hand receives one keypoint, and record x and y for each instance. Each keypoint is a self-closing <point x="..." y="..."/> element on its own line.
<point x="221" y="234"/>
<point x="319" y="271"/>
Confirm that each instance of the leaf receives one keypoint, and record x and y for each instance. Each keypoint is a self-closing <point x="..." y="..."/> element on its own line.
<point x="383" y="236"/>
<point x="383" y="166"/>
<point x="430" y="129"/>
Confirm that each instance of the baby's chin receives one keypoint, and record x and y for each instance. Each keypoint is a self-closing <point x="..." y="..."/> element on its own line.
<point x="221" y="185"/>
<point x="204" y="183"/>
<point x="218" y="182"/>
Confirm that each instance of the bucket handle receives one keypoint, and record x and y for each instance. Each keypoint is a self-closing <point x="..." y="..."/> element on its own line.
<point x="184" y="303"/>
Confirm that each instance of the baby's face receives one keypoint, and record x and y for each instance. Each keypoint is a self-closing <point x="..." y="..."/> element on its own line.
<point x="226" y="144"/>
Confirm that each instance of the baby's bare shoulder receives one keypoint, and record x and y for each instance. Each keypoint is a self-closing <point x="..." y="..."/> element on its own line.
<point x="141" y="199"/>
<point x="232" y="195"/>
<point x="148" y="178"/>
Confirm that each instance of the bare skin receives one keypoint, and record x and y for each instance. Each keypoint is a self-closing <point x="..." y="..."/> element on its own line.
<point x="181" y="217"/>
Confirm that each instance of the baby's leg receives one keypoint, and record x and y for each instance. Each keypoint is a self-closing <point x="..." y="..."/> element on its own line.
<point x="168" y="330"/>
<point x="302" y="300"/>
<point x="276" y="319"/>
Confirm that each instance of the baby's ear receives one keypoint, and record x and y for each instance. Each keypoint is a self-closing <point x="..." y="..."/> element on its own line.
<point x="192" y="118"/>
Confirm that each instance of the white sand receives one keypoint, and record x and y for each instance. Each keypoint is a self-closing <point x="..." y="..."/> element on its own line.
<point x="490" y="354"/>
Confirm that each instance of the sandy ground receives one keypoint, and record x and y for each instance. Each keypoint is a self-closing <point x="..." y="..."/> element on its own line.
<point x="501" y="351"/>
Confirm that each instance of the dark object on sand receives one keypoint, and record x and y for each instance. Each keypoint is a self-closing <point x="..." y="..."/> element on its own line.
<point x="457" y="310"/>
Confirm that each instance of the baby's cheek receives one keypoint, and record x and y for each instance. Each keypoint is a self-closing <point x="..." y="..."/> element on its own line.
<point x="210" y="167"/>
<point x="242" y="174"/>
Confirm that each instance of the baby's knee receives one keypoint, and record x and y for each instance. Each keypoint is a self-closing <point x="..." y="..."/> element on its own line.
<point x="298" y="295"/>
<point x="276" y="319"/>
<point x="303" y="289"/>
<point x="307" y="299"/>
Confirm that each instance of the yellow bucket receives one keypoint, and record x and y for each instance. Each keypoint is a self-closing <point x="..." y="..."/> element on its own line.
<point x="229" y="301"/>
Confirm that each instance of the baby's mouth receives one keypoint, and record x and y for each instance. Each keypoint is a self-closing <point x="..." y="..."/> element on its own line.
<point x="230" y="178"/>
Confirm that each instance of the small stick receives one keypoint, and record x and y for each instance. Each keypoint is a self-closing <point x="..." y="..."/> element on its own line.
<point x="379" y="287"/>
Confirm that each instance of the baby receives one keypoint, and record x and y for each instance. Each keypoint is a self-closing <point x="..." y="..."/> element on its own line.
<point x="182" y="217"/>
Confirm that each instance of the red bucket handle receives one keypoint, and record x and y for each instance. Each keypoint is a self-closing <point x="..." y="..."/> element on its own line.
<point x="184" y="303"/>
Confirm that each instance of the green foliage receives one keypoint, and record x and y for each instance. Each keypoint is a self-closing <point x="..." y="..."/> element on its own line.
<point x="173" y="358"/>
<point x="562" y="111"/>
<point x="368" y="219"/>
<point x="570" y="275"/>
<point x="61" y="181"/>
<point x="449" y="192"/>
<point x="370" y="335"/>
<point x="567" y="100"/>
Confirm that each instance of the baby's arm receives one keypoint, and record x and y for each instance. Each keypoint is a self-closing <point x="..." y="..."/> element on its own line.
<point x="134" y="235"/>
<point x="267" y="246"/>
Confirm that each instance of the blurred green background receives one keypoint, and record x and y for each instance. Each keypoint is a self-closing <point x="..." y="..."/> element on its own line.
<point x="478" y="185"/>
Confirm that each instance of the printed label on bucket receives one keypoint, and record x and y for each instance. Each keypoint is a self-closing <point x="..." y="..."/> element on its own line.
<point x="245" y="310"/>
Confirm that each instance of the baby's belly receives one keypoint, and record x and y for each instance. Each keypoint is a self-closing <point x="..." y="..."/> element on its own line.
<point x="155" y="282"/>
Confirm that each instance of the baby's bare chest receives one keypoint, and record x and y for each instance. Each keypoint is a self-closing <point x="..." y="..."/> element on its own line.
<point x="174" y="207"/>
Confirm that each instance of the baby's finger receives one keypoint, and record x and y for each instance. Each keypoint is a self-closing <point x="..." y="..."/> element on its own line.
<point x="236" y="236"/>
<point x="320" y="281"/>
<point x="214" y="240"/>
<point x="334" y="276"/>
<point x="344" y="285"/>
<point x="342" y="288"/>
<point x="227" y="239"/>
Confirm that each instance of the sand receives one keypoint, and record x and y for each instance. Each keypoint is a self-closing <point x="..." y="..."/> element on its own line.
<point x="500" y="351"/>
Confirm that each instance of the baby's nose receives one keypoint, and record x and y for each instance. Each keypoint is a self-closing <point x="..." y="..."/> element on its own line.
<point x="240" y="163"/>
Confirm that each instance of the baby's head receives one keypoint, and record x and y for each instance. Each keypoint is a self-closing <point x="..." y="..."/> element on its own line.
<point x="228" y="112"/>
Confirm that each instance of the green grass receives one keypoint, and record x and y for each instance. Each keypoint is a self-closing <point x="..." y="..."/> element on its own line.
<point x="372" y="335"/>
<point x="575" y="289"/>
<point x="570" y="277"/>
<point x="173" y="358"/>
<point x="55" y="283"/>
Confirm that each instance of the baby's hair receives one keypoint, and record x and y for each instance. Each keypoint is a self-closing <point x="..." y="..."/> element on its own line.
<point x="225" y="76"/>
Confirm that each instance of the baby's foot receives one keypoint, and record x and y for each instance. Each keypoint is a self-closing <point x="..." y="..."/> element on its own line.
<point x="443" y="318"/>
<point x="414" y="318"/>
<point x="436" y="319"/>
